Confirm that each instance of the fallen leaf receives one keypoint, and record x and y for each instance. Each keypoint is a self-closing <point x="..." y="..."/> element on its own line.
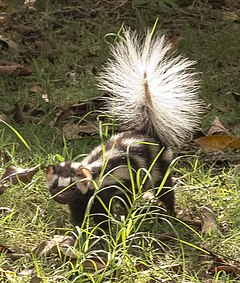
<point x="79" y="110"/>
<point x="228" y="269"/>
<point x="3" y="117"/>
<point x="3" y="18"/>
<point x="47" y="48"/>
<point x="95" y="264"/>
<point x="36" y="89"/>
<point x="218" y="143"/>
<point x="235" y="95"/>
<point x="208" y="220"/>
<point x="7" y="43"/>
<point x="15" y="68"/>
<point x="165" y="236"/>
<point x="58" y="243"/>
<point x="193" y="222"/>
<point x="221" y="262"/>
<point x="13" y="175"/>
<point x="18" y="115"/>
<point x="10" y="254"/>
<point x="23" y="29"/>
<point x="231" y="16"/>
<point x="64" y="245"/>
<point x="72" y="131"/>
<point x="217" y="127"/>
<point x="36" y="279"/>
<point x="141" y="266"/>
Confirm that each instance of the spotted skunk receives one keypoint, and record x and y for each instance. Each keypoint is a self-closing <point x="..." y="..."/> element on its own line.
<point x="152" y="94"/>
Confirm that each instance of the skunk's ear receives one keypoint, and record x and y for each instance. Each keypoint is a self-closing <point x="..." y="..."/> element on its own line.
<point x="51" y="169"/>
<point x="83" y="173"/>
<point x="50" y="172"/>
<point x="84" y="177"/>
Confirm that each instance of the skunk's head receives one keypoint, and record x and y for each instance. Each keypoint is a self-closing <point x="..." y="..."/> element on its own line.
<point x="67" y="181"/>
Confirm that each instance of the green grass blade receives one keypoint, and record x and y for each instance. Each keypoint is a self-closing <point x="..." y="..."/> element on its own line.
<point x="17" y="134"/>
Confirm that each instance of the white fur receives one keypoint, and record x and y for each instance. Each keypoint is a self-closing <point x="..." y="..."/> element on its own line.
<point x="64" y="181"/>
<point x="174" y="108"/>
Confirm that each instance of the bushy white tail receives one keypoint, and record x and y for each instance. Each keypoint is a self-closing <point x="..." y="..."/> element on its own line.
<point x="151" y="89"/>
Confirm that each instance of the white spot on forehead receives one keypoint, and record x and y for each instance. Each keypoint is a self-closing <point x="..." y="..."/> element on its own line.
<point x="73" y="165"/>
<point x="64" y="182"/>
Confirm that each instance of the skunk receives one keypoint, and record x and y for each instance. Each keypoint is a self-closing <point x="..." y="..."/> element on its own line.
<point x="152" y="93"/>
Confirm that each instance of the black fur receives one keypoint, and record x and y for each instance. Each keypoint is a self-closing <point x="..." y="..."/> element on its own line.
<point x="128" y="147"/>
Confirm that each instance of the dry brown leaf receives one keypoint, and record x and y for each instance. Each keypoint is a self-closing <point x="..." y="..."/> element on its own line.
<point x="193" y="222"/>
<point x="236" y="96"/>
<point x="18" y="115"/>
<point x="165" y="236"/>
<point x="3" y="18"/>
<point x="208" y="220"/>
<point x="9" y="69"/>
<point x="217" y="127"/>
<point x="231" y="16"/>
<point x="36" y="279"/>
<point x="23" y="29"/>
<point x="221" y="262"/>
<point x="234" y="144"/>
<point x="95" y="264"/>
<point x="47" y="48"/>
<point x="4" y="157"/>
<point x="7" y="43"/>
<point x="13" y="175"/>
<point x="228" y="269"/>
<point x="36" y="89"/>
<point x="72" y="131"/>
<point x="79" y="110"/>
<point x="141" y="266"/>
<point x="218" y="143"/>
<point x="3" y="117"/>
<point x="15" y="68"/>
<point x="58" y="243"/>
<point x="10" y="254"/>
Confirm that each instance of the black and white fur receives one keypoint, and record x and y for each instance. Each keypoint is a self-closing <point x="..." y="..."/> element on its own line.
<point x="153" y="94"/>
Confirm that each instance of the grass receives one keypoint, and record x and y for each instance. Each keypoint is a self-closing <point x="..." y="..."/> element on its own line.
<point x="134" y="250"/>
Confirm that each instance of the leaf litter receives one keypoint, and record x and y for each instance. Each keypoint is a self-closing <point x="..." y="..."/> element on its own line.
<point x="214" y="143"/>
<point x="14" y="175"/>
